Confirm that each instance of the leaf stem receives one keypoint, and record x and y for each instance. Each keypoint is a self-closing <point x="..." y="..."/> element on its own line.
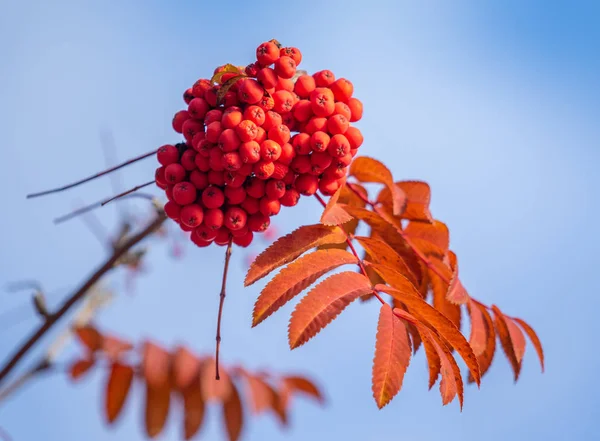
<point x="221" y="303"/>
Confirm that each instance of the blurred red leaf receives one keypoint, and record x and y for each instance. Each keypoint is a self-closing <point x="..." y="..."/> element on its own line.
<point x="117" y="389"/>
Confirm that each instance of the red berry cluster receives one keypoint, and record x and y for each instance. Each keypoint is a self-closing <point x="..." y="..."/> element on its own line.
<point x="256" y="138"/>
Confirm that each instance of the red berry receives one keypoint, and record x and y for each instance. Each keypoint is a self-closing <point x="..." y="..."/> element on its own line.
<point x="269" y="207"/>
<point x="213" y="218"/>
<point x="356" y="109"/>
<point x="231" y="118"/>
<point x="215" y="159"/>
<point x="196" y="240"/>
<point x="328" y="186"/>
<point x="267" y="77"/>
<point x="222" y="237"/>
<point x="205" y="232"/>
<point x="301" y="164"/>
<point x="172" y="210"/>
<point x="178" y="119"/>
<point x="200" y="87"/>
<point x="213" y="131"/>
<point x="197" y="108"/>
<point x="255" y="114"/>
<point x="250" y="152"/>
<point x="287" y="153"/>
<point x="270" y="151"/>
<point x="301" y="143"/>
<point x="204" y="147"/>
<point x="213" y="116"/>
<point x="211" y="95"/>
<point x="305" y="84"/>
<point x="303" y="110"/>
<point x="280" y="170"/>
<point x="342" y="89"/>
<point x="272" y="119"/>
<point x="229" y="141"/>
<point x="337" y="124"/>
<point x="167" y="154"/>
<point x="235" y="195"/>
<point x="213" y="197"/>
<point x="234" y="179"/>
<point x="289" y="178"/>
<point x="290" y="198"/>
<point x="255" y="188"/>
<point x="292" y="52"/>
<point x="275" y="188"/>
<point x="280" y="134"/>
<point x="159" y="177"/>
<point x="246" y="130"/>
<point x="324" y="78"/>
<point x="199" y="179"/>
<point x="334" y="171"/>
<point x="188" y="160"/>
<point x="232" y="161"/>
<point x="339" y="146"/>
<point x="169" y="193"/>
<point x="258" y="222"/>
<point x="252" y="69"/>
<point x="245" y="240"/>
<point x="320" y="161"/>
<point x="284" y="101"/>
<point x="263" y="169"/>
<point x="235" y="218"/>
<point x="250" y="204"/>
<point x="190" y="128"/>
<point x="342" y="109"/>
<point x="191" y="215"/>
<point x="322" y="101"/>
<point x="267" y="53"/>
<point x="202" y="163"/>
<point x="216" y="178"/>
<point x="240" y="232"/>
<point x="285" y="67"/>
<point x="261" y="135"/>
<point x="174" y="173"/>
<point x="307" y="184"/>
<point x="184" y="193"/>
<point x="246" y="170"/>
<point x="250" y="91"/>
<point x="354" y="137"/>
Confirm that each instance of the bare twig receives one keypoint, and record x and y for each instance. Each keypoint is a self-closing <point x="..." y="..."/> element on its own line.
<point x="221" y="302"/>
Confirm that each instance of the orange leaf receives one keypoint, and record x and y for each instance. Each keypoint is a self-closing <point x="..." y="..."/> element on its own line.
<point x="114" y="347"/>
<point x="537" y="344"/>
<point x="80" y="367"/>
<point x="457" y="293"/>
<point x="334" y="214"/>
<point x="264" y="396"/>
<point x="294" y="278"/>
<point x="214" y="390"/>
<point x="228" y="68"/>
<point x="292" y="384"/>
<point x="415" y="337"/>
<point x="440" y="302"/>
<point x="157" y="408"/>
<point x="451" y="384"/>
<point x="233" y="414"/>
<point x="392" y="356"/>
<point x="426" y="313"/>
<point x="155" y="364"/>
<point x="382" y="253"/>
<point x="186" y="367"/>
<point x="517" y="338"/>
<point x="431" y="239"/>
<point x="193" y="408"/>
<point x="90" y="337"/>
<point x="418" y="196"/>
<point x="395" y="279"/>
<point x="478" y="337"/>
<point x="485" y="359"/>
<point x="287" y="248"/>
<point x="367" y="169"/>
<point x="117" y="389"/>
<point x="508" y="345"/>
<point x="324" y="303"/>
<point x="347" y="196"/>
<point x="227" y="85"/>
<point x="433" y="359"/>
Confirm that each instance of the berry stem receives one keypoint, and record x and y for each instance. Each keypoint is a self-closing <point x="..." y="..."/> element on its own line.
<point x="90" y="178"/>
<point x="221" y="302"/>
<point x="53" y="318"/>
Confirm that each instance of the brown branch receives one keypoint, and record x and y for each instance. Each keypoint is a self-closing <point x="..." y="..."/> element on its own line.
<point x="90" y="178"/>
<point x="221" y="302"/>
<point x="132" y="190"/>
<point x="79" y="294"/>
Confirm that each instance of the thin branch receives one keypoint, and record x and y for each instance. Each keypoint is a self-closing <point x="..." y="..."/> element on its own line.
<point x="90" y="178"/>
<point x="221" y="302"/>
<point x="130" y="191"/>
<point x="79" y="294"/>
<point x="24" y="284"/>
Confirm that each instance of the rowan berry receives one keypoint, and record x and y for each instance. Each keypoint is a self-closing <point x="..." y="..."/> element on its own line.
<point x="287" y="153"/>
<point x="246" y="170"/>
<point x="261" y="135"/>
<point x="301" y="164"/>
<point x="239" y="232"/>
<point x="269" y="207"/>
<point x="267" y="77"/>
<point x="190" y="128"/>
<point x="258" y="222"/>
<point x="229" y="141"/>
<point x="263" y="169"/>
<point x="289" y="121"/>
<point x="246" y="130"/>
<point x="167" y="154"/>
<point x="303" y="110"/>
<point x="191" y="215"/>
<point x="324" y="78"/>
<point x="243" y="241"/>
<point x="289" y="178"/>
<point x="250" y="204"/>
<point x="338" y="146"/>
<point x="204" y="147"/>
<point x="272" y="119"/>
<point x="320" y="161"/>
<point x="356" y="109"/>
<point x="342" y="109"/>
<point x="252" y="69"/>
<point x="206" y="233"/>
<point x="290" y="198"/>
<point x="213" y="131"/>
<point x="233" y="179"/>
<point x="328" y="186"/>
<point x="187" y="159"/>
<point x="188" y="95"/>
<point x="269" y="151"/>
<point x="199" y="242"/>
<point x="178" y="119"/>
<point x="301" y="143"/>
<point x="211" y="95"/>
<point x="250" y="152"/>
<point x="222" y="237"/>
<point x="197" y="139"/>
<point x="213" y="218"/>
<point x="212" y="116"/>
<point x="200" y="87"/>
<point x="201" y="162"/>
<point x="342" y="89"/>
<point x="184" y="193"/>
<point x="215" y="159"/>
<point x="231" y="119"/>
<point x="266" y="102"/>
<point x="250" y="91"/>
<point x="319" y="141"/>
<point x="316" y="124"/>
<point x="285" y="67"/>
<point x="255" y="114"/>
<point x="354" y="137"/>
<point x="337" y="124"/>
<point x="172" y="210"/>
<point x="322" y="101"/>
<point x="343" y="161"/>
<point x="235" y="195"/>
<point x="285" y="84"/>
<point x="169" y="193"/>
<point x="280" y="134"/>
<point x="255" y="188"/>
<point x="235" y="218"/>
<point x="292" y="52"/>
<point x="274" y="188"/>
<point x="231" y="161"/>
<point x="267" y="53"/>
<point x="230" y="98"/>
<point x="198" y="107"/>
<point x="307" y="184"/>
<point x="280" y="170"/>
<point x="159" y="177"/>
<point x="304" y="86"/>
<point x="199" y="179"/>
<point x="334" y="171"/>
<point x="174" y="173"/>
<point x="283" y="101"/>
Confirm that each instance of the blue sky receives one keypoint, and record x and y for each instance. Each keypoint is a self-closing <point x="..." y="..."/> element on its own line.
<point x="495" y="104"/>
